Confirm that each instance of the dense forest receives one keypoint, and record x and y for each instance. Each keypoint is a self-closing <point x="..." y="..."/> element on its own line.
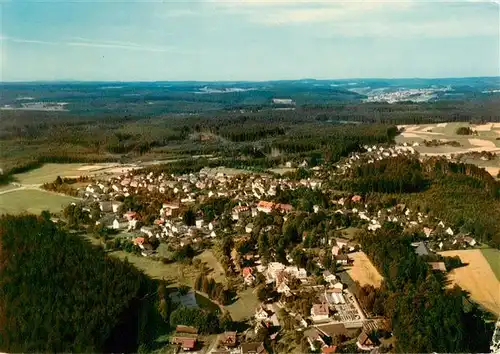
<point x="59" y="294"/>
<point x="426" y="316"/>
<point x="28" y="139"/>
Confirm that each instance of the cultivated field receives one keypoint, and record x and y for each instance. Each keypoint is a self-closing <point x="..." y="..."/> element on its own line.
<point x="477" y="278"/>
<point x="32" y="201"/>
<point x="485" y="140"/>
<point x="49" y="172"/>
<point x="493" y="257"/>
<point x="363" y="270"/>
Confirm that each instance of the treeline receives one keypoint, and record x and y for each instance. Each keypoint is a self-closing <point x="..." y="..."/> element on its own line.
<point x="424" y="314"/>
<point x="395" y="175"/>
<point x="58" y="293"/>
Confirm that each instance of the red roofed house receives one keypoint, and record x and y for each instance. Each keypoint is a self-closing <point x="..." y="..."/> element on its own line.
<point x="356" y="198"/>
<point x="186" y="343"/>
<point x="228" y="339"/>
<point x="284" y="208"/>
<point x="139" y="241"/>
<point x="320" y="312"/>
<point x="364" y="342"/>
<point x="130" y="215"/>
<point x="248" y="277"/>
<point x="265" y="207"/>
<point x="329" y="350"/>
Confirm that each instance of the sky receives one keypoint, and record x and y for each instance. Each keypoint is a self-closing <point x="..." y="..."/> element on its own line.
<point x="253" y="40"/>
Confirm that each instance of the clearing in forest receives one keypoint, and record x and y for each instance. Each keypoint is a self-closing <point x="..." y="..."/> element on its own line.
<point x="363" y="270"/>
<point x="477" y="278"/>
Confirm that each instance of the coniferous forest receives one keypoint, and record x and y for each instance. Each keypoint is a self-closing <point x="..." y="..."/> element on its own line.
<point x="59" y="294"/>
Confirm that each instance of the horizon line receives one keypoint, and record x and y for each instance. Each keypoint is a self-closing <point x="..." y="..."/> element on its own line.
<point x="243" y="80"/>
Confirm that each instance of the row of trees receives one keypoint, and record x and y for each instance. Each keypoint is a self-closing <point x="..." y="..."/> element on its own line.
<point x="215" y="291"/>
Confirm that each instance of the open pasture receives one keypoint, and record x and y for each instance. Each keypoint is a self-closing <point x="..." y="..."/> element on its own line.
<point x="477" y="278"/>
<point x="32" y="201"/>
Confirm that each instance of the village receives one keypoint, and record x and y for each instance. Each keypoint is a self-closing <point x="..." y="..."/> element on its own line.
<point x="317" y="300"/>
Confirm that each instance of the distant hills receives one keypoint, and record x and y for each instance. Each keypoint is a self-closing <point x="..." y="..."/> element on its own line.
<point x="196" y="97"/>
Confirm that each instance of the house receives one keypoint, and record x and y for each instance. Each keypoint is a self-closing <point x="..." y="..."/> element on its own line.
<point x="116" y="206"/>
<point x="438" y="266"/>
<point x="341" y="242"/>
<point x="130" y="215"/>
<point x="334" y="296"/>
<point x="139" y="241"/>
<point x="470" y="241"/>
<point x="339" y="285"/>
<point x="320" y="312"/>
<point x="449" y="231"/>
<point x="249" y="228"/>
<point x="283" y="288"/>
<point x="364" y="342"/>
<point x="248" y="277"/>
<point x="199" y="223"/>
<point x="228" y="339"/>
<point x="328" y="276"/>
<point x="265" y="207"/>
<point x="170" y="209"/>
<point x="329" y="350"/>
<point x="356" y="198"/>
<point x="332" y="329"/>
<point x="427" y="231"/>
<point x="116" y="224"/>
<point x="284" y="208"/>
<point x="186" y="329"/>
<point x="186" y="343"/>
<point x="342" y="259"/>
<point x="421" y="249"/>
<point x="313" y="337"/>
<point x="262" y="314"/>
<point x="253" y="348"/>
<point x="335" y="250"/>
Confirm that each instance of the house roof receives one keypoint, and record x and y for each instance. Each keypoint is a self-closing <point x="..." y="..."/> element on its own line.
<point x="438" y="266"/>
<point x="329" y="350"/>
<point x="186" y="329"/>
<point x="421" y="249"/>
<point x="138" y="240"/>
<point x="331" y="330"/>
<point x="247" y="271"/>
<point x="185" y="342"/>
<point x="229" y="338"/>
<point x="363" y="338"/>
<point x="320" y="309"/>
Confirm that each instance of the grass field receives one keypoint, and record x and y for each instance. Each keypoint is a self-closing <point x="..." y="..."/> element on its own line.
<point x="493" y="258"/>
<point x="32" y="201"/>
<point x="176" y="273"/>
<point x="245" y="306"/>
<point x="363" y="270"/>
<point x="217" y="272"/>
<point x="477" y="278"/>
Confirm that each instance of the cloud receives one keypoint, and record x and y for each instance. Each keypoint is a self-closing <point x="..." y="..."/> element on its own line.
<point x="370" y="18"/>
<point x="84" y="42"/>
